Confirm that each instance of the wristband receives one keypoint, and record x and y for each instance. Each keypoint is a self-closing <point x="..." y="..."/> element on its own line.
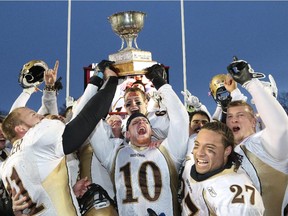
<point x="49" y="88"/>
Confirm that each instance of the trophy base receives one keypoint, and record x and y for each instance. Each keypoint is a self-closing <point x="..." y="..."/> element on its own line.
<point x="130" y="55"/>
<point x="133" y="67"/>
<point x="132" y="61"/>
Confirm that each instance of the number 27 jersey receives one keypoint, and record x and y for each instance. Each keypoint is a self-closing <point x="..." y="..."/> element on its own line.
<point x="226" y="193"/>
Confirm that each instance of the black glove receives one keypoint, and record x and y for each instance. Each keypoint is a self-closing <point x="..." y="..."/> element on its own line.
<point x="156" y="70"/>
<point x="105" y="63"/>
<point x="58" y="84"/>
<point x="157" y="75"/>
<point x="240" y="71"/>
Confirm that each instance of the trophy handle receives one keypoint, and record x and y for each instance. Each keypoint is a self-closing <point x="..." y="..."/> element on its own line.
<point x="122" y="43"/>
<point x="135" y="42"/>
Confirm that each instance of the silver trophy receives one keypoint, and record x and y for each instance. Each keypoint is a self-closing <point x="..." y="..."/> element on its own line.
<point x="129" y="60"/>
<point x="127" y="26"/>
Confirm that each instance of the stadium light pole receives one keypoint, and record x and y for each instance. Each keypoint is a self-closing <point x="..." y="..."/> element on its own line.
<point x="183" y="47"/>
<point x="68" y="52"/>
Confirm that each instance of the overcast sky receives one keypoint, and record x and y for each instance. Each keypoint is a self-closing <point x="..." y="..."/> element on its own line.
<point x="214" y="31"/>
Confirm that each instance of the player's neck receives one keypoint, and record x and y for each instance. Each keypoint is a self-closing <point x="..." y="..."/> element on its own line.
<point x="138" y="148"/>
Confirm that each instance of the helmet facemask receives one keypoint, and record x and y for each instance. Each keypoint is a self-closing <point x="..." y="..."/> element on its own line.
<point x="223" y="97"/>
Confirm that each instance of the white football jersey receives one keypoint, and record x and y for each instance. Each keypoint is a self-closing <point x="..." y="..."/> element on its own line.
<point x="37" y="166"/>
<point x="226" y="193"/>
<point x="265" y="153"/>
<point x="147" y="178"/>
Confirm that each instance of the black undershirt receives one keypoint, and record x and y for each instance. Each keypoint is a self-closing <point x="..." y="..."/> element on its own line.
<point x="78" y="130"/>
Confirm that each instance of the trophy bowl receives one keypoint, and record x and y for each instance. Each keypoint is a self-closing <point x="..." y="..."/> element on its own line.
<point x="127" y="26"/>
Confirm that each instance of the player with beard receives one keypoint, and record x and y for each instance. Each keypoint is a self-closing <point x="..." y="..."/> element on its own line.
<point x="136" y="101"/>
<point x="197" y="120"/>
<point x="265" y="152"/>
<point x="145" y="178"/>
<point x="37" y="159"/>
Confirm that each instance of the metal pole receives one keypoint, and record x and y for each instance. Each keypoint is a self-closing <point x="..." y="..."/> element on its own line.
<point x="183" y="46"/>
<point x="68" y="51"/>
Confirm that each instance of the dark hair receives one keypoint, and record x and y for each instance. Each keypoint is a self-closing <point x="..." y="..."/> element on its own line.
<point x="227" y="138"/>
<point x="135" y="115"/>
<point x="200" y="112"/>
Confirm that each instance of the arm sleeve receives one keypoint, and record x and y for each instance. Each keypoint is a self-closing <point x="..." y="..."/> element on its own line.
<point x="178" y="132"/>
<point x="89" y="92"/>
<point x="78" y="130"/>
<point x="21" y="101"/>
<point x="218" y="113"/>
<point x="49" y="103"/>
<point x="275" y="134"/>
<point x="94" y="84"/>
<point x="236" y="94"/>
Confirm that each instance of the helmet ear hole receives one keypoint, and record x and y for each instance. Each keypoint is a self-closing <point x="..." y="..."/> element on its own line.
<point x="29" y="78"/>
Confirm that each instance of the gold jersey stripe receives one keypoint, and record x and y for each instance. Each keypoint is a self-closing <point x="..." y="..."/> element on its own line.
<point x="273" y="184"/>
<point x="56" y="185"/>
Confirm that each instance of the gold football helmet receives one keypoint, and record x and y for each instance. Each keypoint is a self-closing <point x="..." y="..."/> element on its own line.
<point x="216" y="83"/>
<point x="32" y="73"/>
<point x="219" y="92"/>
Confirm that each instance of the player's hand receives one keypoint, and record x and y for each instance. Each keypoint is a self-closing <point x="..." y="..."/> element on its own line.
<point x="50" y="75"/>
<point x="127" y="83"/>
<point x="229" y="83"/>
<point x="242" y="72"/>
<point x="109" y="73"/>
<point x="104" y="64"/>
<point x="18" y="204"/>
<point x="191" y="100"/>
<point x="155" y="71"/>
<point x="81" y="187"/>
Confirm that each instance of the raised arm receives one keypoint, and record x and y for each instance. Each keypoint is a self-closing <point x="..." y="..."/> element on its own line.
<point x="178" y="132"/>
<point x="78" y="130"/>
<point x="49" y="98"/>
<point x="275" y="134"/>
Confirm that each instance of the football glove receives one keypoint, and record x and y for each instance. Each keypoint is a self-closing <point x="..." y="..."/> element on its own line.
<point x="191" y="100"/>
<point x="242" y="72"/>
